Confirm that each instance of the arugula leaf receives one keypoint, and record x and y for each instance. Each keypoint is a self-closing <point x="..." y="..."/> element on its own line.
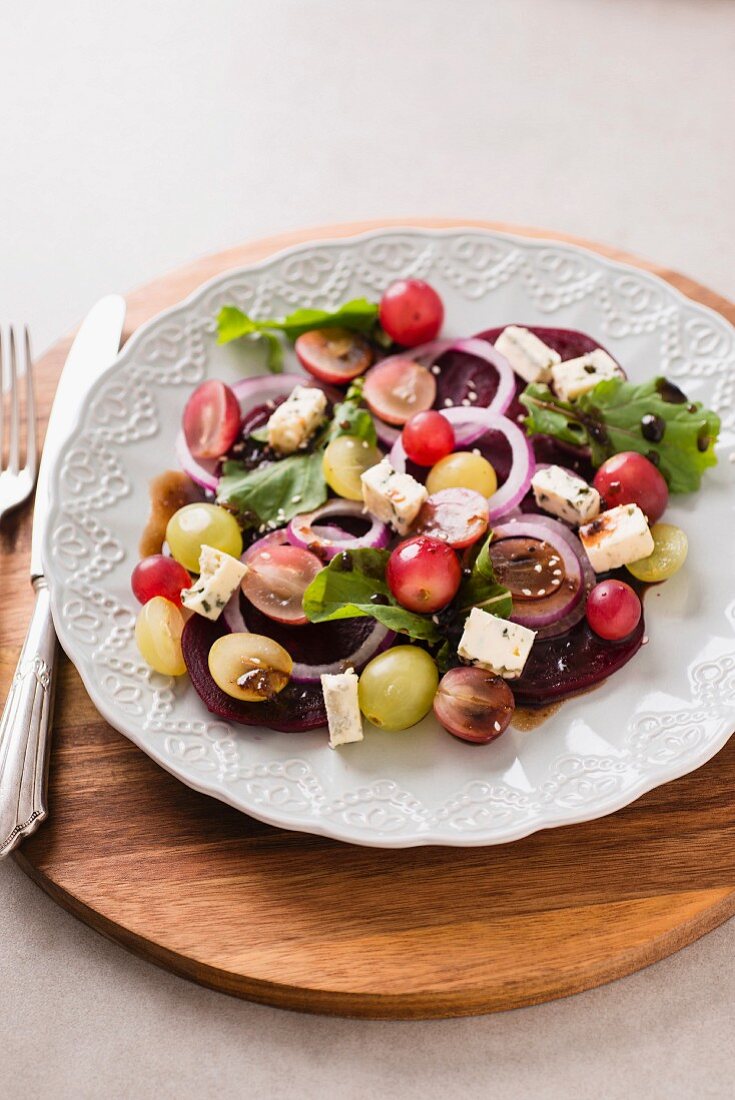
<point x="350" y="419"/>
<point x="481" y="589"/>
<point x="275" y="491"/>
<point x="609" y="419"/>
<point x="358" y="315"/>
<point x="348" y="589"/>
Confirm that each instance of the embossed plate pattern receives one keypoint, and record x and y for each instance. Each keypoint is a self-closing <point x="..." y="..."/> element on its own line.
<point x="668" y="711"/>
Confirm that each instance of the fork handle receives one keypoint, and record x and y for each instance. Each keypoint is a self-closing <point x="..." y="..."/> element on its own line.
<point x="25" y="728"/>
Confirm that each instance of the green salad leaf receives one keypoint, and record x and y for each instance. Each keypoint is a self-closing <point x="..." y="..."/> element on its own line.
<point x="653" y="418"/>
<point x="350" y="418"/>
<point x="354" y="585"/>
<point x="481" y="589"/>
<point x="358" y="315"/>
<point x="274" y="492"/>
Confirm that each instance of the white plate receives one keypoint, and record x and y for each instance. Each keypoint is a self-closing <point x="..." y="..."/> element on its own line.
<point x="665" y="714"/>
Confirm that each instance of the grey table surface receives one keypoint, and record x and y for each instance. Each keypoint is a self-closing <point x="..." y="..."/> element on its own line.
<point x="136" y="136"/>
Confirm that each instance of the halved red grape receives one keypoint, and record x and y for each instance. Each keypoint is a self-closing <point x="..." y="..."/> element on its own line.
<point x="423" y="574"/>
<point x="334" y="355"/>
<point x="529" y="568"/>
<point x="277" y="577"/>
<point x="211" y="419"/>
<point x="411" y="312"/>
<point x="629" y="478"/>
<point x="456" y="516"/>
<point x="158" y="575"/>
<point x="398" y="388"/>
<point x="473" y="704"/>
<point x="427" y="437"/>
<point x="613" y="610"/>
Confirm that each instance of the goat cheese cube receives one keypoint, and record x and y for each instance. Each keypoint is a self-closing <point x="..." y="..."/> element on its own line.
<point x="574" y="377"/>
<point x="495" y="644"/>
<point x="527" y="355"/>
<point x="392" y="497"/>
<point x="617" y="537"/>
<point x="296" y="419"/>
<point x="343" y="708"/>
<point x="219" y="576"/>
<point x="565" y="495"/>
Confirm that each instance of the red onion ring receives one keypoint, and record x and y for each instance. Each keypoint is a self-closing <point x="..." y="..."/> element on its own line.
<point x="302" y="532"/>
<point x="378" y="639"/>
<point x="546" y="622"/>
<point x="250" y="392"/>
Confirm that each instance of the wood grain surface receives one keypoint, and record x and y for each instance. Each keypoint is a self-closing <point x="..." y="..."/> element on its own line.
<point x="312" y="924"/>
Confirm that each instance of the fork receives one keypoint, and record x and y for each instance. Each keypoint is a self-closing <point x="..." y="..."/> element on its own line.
<point x="16" y="481"/>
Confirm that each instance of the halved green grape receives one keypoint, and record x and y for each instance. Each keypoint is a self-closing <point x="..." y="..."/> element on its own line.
<point x="195" y="525"/>
<point x="158" y="636"/>
<point x="462" y="470"/>
<point x="397" y="688"/>
<point x="670" y="546"/>
<point x="345" y="459"/>
<point x="251" y="667"/>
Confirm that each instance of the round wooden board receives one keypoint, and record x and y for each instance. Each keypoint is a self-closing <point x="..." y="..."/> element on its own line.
<point x="311" y="924"/>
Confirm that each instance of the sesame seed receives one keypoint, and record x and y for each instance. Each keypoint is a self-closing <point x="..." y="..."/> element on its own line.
<point x="554" y="560"/>
<point x="435" y="369"/>
<point x="557" y="572"/>
<point x="497" y="726"/>
<point x="526" y="591"/>
<point x="473" y="396"/>
<point x="448" y="402"/>
<point x="541" y="592"/>
<point x="296" y="499"/>
<point x="476" y="450"/>
<point x="645" y="640"/>
<point x="538" y="568"/>
<point x="465" y="401"/>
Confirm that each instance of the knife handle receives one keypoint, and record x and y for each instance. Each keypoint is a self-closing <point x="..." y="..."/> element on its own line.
<point x="25" y="728"/>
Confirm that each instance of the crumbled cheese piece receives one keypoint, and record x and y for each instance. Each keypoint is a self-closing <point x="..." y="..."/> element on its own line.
<point x="527" y="355"/>
<point x="616" y="537"/>
<point x="219" y="576"/>
<point x="495" y="644"/>
<point x="296" y="419"/>
<point x="565" y="495"/>
<point x="392" y="497"/>
<point x="343" y="708"/>
<point x="574" y="377"/>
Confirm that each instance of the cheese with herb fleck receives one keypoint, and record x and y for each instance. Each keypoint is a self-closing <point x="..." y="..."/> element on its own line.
<point x="219" y="576"/>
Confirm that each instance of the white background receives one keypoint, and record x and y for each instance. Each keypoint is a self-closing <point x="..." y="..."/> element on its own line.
<point x="136" y="136"/>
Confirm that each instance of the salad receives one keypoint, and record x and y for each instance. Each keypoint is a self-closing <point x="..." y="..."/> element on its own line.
<point x="413" y="523"/>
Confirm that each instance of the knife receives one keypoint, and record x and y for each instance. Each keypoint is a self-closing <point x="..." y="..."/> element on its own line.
<point x="25" y="725"/>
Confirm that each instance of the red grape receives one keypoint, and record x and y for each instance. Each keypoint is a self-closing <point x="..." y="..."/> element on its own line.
<point x="277" y="577"/>
<point x="629" y="478"/>
<point x="613" y="610"/>
<point x="473" y="704"/>
<point x="411" y="312"/>
<point x="427" y="437"/>
<point x="159" y="576"/>
<point x="397" y="388"/>
<point x="211" y="420"/>
<point x="423" y="574"/>
<point x="334" y="355"/>
<point x="456" y="516"/>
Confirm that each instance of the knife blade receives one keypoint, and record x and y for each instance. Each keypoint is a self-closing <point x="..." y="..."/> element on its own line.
<point x="25" y="724"/>
<point x="95" y="346"/>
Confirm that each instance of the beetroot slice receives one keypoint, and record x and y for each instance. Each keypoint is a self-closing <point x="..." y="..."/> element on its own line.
<point x="297" y="708"/>
<point x="559" y="667"/>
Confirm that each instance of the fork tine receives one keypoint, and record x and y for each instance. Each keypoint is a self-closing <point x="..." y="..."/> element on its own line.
<point x="31" y="459"/>
<point x="14" y="439"/>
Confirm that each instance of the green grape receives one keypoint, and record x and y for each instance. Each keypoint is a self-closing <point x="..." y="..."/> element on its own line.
<point x="397" y="688"/>
<point x="345" y="459"/>
<point x="462" y="470"/>
<point x="198" y="524"/>
<point x="251" y="667"/>
<point x="670" y="547"/>
<point x="158" y="636"/>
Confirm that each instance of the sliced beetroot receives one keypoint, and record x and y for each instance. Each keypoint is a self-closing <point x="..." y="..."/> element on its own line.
<point x="579" y="660"/>
<point x="297" y="708"/>
<point x="312" y="643"/>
